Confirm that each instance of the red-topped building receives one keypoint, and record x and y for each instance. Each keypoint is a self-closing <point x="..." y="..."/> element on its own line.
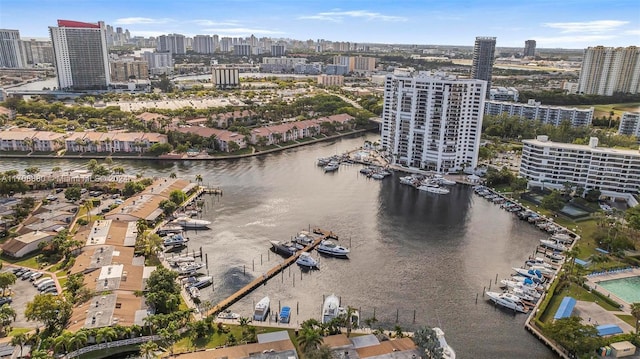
<point x="78" y="24"/>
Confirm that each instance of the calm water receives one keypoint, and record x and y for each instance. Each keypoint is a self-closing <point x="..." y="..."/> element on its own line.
<point x="412" y="252"/>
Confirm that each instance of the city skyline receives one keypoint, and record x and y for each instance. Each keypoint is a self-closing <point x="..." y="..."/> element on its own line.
<point x="571" y="24"/>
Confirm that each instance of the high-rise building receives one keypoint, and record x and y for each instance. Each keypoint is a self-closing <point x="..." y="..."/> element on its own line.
<point x="242" y="50"/>
<point x="361" y="63"/>
<point x="277" y="50"/>
<point x="483" y="57"/>
<point x="80" y="51"/>
<point x="607" y="70"/>
<point x="535" y="111"/>
<point x="123" y="70"/>
<point x="529" y="48"/>
<point x="10" y="54"/>
<point x="216" y="43"/>
<point x="226" y="44"/>
<point x="630" y="124"/>
<point x="159" y="62"/>
<point x="226" y="77"/>
<point x="173" y="43"/>
<point x="36" y="51"/>
<point x="432" y="121"/>
<point x="203" y="44"/>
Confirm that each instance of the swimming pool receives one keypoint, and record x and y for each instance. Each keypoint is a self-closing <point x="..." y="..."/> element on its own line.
<point x="627" y="289"/>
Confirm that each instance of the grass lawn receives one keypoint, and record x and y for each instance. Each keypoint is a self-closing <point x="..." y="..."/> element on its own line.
<point x="577" y="292"/>
<point x="16" y="331"/>
<point x="617" y="108"/>
<point x="217" y="339"/>
<point x="62" y="282"/>
<point x="265" y="148"/>
<point x="629" y="319"/>
<point x="23" y="262"/>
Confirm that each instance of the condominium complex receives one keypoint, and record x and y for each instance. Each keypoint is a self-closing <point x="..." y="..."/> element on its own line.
<point x="432" y="121"/>
<point x="330" y="80"/>
<point x="35" y="51"/>
<point x="356" y="63"/>
<point x="483" y="58"/>
<point x="550" y="165"/>
<point x="281" y="64"/>
<point x="607" y="70"/>
<point x="203" y="44"/>
<point x="173" y="43"/>
<point x="124" y="70"/>
<point x="535" y="111"/>
<point x="80" y="51"/>
<point x="529" y="48"/>
<point x="630" y="124"/>
<point x="10" y="55"/>
<point x="226" y="77"/>
<point x="278" y="50"/>
<point x="159" y="62"/>
<point x="504" y="94"/>
<point x="242" y="50"/>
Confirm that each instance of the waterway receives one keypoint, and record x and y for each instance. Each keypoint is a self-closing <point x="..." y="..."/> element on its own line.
<point x="412" y="252"/>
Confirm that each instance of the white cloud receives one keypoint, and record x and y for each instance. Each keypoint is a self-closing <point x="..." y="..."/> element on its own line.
<point x="338" y="16"/>
<point x="242" y="31"/>
<point x="140" y="20"/>
<point x="546" y="41"/>
<point x="633" y="32"/>
<point x="593" y="27"/>
<point x="216" y="23"/>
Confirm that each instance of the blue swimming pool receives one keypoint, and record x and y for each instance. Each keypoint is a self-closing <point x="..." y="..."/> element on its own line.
<point x="627" y="289"/>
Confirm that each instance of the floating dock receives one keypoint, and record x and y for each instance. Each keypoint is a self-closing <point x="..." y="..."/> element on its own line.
<point x="224" y="304"/>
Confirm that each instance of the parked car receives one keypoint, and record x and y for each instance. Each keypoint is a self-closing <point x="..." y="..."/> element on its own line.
<point x="52" y="290"/>
<point x="52" y="197"/>
<point x="35" y="276"/>
<point x="26" y="274"/>
<point x="40" y="281"/>
<point x="5" y="300"/>
<point x="46" y="285"/>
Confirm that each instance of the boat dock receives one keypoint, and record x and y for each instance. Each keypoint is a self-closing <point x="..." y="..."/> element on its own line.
<point x="224" y="304"/>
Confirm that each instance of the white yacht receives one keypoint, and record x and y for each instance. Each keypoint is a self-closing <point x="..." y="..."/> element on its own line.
<point x="447" y="351"/>
<point x="189" y="268"/>
<point x="194" y="292"/>
<point x="191" y="223"/>
<point x="508" y="300"/>
<point x="305" y="260"/>
<point x="553" y="245"/>
<point x="441" y="180"/>
<point x="262" y="309"/>
<point x="181" y="259"/>
<point x="329" y="248"/>
<point x="529" y="295"/>
<point x="330" y="308"/>
<point x="303" y="238"/>
<point x="228" y="314"/>
<point x="332" y="166"/>
<point x="433" y="188"/>
<point x="175" y="241"/>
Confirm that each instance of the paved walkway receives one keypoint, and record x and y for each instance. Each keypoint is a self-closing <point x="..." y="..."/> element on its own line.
<point x="592" y="313"/>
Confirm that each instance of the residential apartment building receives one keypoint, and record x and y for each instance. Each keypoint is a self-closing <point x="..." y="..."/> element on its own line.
<point x="630" y="124"/>
<point x="281" y="64"/>
<point x="203" y="44"/>
<point x="173" y="43"/>
<point x="483" y="57"/>
<point x="278" y="50"/>
<point x="504" y="94"/>
<point x="225" y="77"/>
<point x="242" y="50"/>
<point x="159" y="62"/>
<point x="432" y="121"/>
<point x="362" y="63"/>
<point x="27" y="140"/>
<point x="126" y="70"/>
<point x="36" y="51"/>
<point x="551" y="164"/>
<point x="330" y="80"/>
<point x="80" y="51"/>
<point x="112" y="142"/>
<point x="336" y="70"/>
<point x="607" y="70"/>
<point x="529" y="48"/>
<point x="10" y="54"/>
<point x="535" y="111"/>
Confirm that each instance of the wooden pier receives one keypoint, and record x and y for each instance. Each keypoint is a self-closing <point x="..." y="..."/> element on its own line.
<point x="224" y="304"/>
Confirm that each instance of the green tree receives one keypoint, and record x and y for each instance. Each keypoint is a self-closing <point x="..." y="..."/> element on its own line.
<point x="177" y="196"/>
<point x="574" y="336"/>
<point x="309" y="339"/>
<point x="92" y="164"/>
<point x="19" y="339"/>
<point x="593" y="195"/>
<point x="31" y="170"/>
<point x="106" y="334"/>
<point x="49" y="309"/>
<point x="427" y="342"/>
<point x="148" y="349"/>
<point x="632" y="216"/>
<point x="635" y="311"/>
<point x="73" y="193"/>
<point x="7" y="279"/>
<point x="163" y="293"/>
<point x="553" y="201"/>
<point x="170" y="336"/>
<point x="7" y="316"/>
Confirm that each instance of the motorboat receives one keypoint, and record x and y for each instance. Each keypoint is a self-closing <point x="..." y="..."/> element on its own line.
<point x="285" y="315"/>
<point x="508" y="300"/>
<point x="194" y="292"/>
<point x="530" y="273"/>
<point x="329" y="248"/>
<point x="169" y="229"/>
<point x="433" y="188"/>
<point x="261" y="310"/>
<point x="180" y="259"/>
<point x="555" y="256"/>
<point x="562" y="238"/>
<point x="524" y="283"/>
<point x="553" y="245"/>
<point x="228" y="314"/>
<point x="407" y="180"/>
<point x="192" y="223"/>
<point x="443" y="181"/>
<point x="175" y="240"/>
<point x="520" y="293"/>
<point x="287" y="249"/>
<point x="332" y="166"/>
<point x="201" y="282"/>
<point x="303" y="238"/>
<point x="447" y="351"/>
<point x="538" y="261"/>
<point x="305" y="260"/>
<point x="189" y="268"/>
<point x="377" y="176"/>
<point x="330" y="308"/>
<point x="323" y="161"/>
<point x="542" y="269"/>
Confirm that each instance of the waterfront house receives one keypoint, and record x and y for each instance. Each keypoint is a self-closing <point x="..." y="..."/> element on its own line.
<point x="28" y="140"/>
<point x="222" y="120"/>
<point x="153" y="121"/>
<point x="223" y="137"/>
<point x="99" y="142"/>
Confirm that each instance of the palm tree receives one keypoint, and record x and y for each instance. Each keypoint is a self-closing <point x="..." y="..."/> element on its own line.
<point x="19" y="339"/>
<point x="106" y="334"/>
<point x="148" y="349"/>
<point x="61" y="342"/>
<point x="309" y="339"/>
<point x="635" y="311"/>
<point x="173" y="175"/>
<point x="199" y="178"/>
<point x="7" y="315"/>
<point x="79" y="339"/>
<point x="88" y="205"/>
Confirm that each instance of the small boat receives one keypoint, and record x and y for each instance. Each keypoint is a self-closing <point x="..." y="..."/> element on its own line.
<point x="285" y="315"/>
<point x="286" y="249"/>
<point x="191" y="223"/>
<point x="175" y="240"/>
<point x="228" y="314"/>
<point x="447" y="351"/>
<point x="332" y="166"/>
<point x="407" y="180"/>
<point x="528" y="294"/>
<point x="329" y="248"/>
<point x="562" y="238"/>
<point x="433" y="188"/>
<point x="555" y="256"/>
<point x="443" y="181"/>
<point x="377" y="176"/>
<point x="530" y="273"/>
<point x="170" y="229"/>
<point x="181" y="259"/>
<point x="261" y="310"/>
<point x="201" y="282"/>
<point x="189" y="268"/>
<point x="194" y="292"/>
<point x="323" y="161"/>
<point x="366" y="171"/>
<point x="330" y="308"/>
<point x="508" y="300"/>
<point x="305" y="260"/>
<point x="303" y="238"/>
<point x="553" y="245"/>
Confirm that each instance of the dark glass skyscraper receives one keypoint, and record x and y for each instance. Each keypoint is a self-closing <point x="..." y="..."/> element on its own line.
<point x="530" y="48"/>
<point x="483" y="57"/>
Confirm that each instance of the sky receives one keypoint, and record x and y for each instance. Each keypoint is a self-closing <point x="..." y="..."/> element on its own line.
<point x="552" y="23"/>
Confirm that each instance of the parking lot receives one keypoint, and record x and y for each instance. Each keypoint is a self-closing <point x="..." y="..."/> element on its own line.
<point x="21" y="292"/>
